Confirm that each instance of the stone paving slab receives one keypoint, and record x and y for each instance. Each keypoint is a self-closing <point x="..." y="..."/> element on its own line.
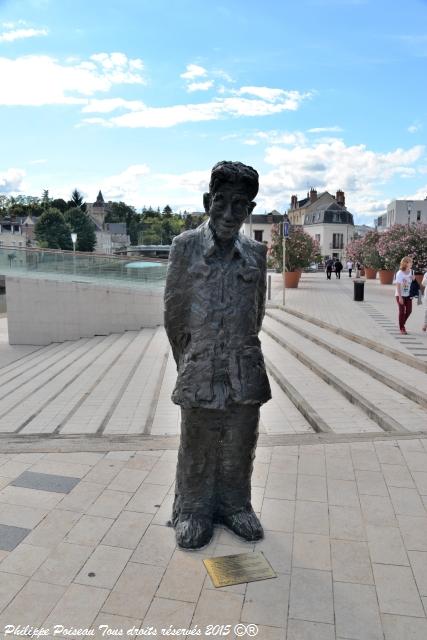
<point x="345" y="530"/>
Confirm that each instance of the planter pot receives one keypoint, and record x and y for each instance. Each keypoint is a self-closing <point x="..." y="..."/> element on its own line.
<point x="386" y="276"/>
<point x="370" y="274"/>
<point x="419" y="277"/>
<point x="292" y="279"/>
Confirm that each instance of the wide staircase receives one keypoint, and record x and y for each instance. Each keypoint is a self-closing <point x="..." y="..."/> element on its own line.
<point x="117" y="388"/>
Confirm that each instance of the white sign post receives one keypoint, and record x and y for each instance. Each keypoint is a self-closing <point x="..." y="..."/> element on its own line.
<point x="285" y="235"/>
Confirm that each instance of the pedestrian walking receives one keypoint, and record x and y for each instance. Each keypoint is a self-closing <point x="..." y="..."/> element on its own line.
<point x="424" y="284"/>
<point x="338" y="268"/>
<point x="403" y="281"/>
<point x="329" y="265"/>
<point x="349" y="267"/>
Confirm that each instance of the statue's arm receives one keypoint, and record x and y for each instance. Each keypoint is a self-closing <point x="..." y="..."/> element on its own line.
<point x="175" y="312"/>
<point x="262" y="285"/>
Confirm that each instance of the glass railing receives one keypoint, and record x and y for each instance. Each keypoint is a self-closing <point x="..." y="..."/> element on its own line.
<point x="82" y="267"/>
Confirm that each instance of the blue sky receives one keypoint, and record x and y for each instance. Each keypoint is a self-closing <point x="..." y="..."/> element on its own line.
<point x="140" y="98"/>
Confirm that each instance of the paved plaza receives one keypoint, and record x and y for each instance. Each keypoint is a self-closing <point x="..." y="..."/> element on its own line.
<point x="88" y="446"/>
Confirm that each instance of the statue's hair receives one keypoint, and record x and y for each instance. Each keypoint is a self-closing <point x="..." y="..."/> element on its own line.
<point x="233" y="172"/>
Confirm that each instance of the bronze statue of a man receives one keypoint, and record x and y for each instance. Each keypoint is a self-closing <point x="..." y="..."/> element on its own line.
<point x="214" y="306"/>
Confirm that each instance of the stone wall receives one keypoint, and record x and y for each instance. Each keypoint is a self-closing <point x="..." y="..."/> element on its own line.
<point x="42" y="311"/>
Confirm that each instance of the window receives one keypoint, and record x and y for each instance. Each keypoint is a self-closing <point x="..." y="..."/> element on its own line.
<point x="258" y="235"/>
<point x="317" y="237"/>
<point x="338" y="241"/>
<point x="418" y="216"/>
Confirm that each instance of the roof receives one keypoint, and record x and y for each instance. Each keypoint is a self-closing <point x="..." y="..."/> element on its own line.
<point x="265" y="218"/>
<point x="99" y="200"/>
<point x="334" y="214"/>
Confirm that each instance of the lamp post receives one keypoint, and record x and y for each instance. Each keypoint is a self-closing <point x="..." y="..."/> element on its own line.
<point x="285" y="234"/>
<point x="74" y="240"/>
<point x="409" y="203"/>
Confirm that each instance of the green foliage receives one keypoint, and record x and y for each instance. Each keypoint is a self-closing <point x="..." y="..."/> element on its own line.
<point x="404" y="240"/>
<point x="52" y="230"/>
<point x="370" y="256"/>
<point x="301" y="249"/>
<point x="76" y="201"/>
<point x="60" y="204"/>
<point x="81" y="224"/>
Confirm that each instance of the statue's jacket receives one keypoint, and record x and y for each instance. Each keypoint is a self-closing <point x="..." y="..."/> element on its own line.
<point x="214" y="307"/>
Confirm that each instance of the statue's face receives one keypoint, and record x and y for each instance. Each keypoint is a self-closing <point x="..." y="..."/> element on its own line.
<point x="228" y="208"/>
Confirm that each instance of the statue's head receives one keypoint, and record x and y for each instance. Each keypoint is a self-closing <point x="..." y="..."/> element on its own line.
<point x="232" y="188"/>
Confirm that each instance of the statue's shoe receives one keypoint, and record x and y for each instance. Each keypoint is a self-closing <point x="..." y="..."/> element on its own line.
<point x="193" y="532"/>
<point x="244" y="524"/>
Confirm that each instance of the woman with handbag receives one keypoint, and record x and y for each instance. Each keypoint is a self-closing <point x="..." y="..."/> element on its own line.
<point x="403" y="282"/>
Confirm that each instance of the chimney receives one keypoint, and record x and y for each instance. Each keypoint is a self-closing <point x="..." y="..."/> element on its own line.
<point x="313" y="195"/>
<point x="340" y="198"/>
<point x="294" y="202"/>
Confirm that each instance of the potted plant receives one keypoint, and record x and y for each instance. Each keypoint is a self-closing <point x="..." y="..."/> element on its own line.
<point x="301" y="250"/>
<point x="370" y="257"/>
<point x="404" y="240"/>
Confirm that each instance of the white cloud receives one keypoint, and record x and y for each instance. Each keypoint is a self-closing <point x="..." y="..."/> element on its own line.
<point x="106" y="105"/>
<point x="39" y="161"/>
<point x="193" y="71"/>
<point x="217" y="108"/>
<point x="262" y="92"/>
<point x="40" y="80"/>
<point x="19" y="34"/>
<point x="359" y="171"/>
<point x="199" y="86"/>
<point x="11" y="180"/>
<point x="126" y="185"/>
<point x="324" y="129"/>
<point x="414" y="127"/>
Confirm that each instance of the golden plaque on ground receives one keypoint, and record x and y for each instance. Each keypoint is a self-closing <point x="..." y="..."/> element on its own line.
<point x="239" y="568"/>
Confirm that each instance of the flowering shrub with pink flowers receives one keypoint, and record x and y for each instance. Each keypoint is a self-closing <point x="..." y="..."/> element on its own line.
<point x="370" y="256"/>
<point x="404" y="240"/>
<point x="354" y="250"/>
<point x="301" y="249"/>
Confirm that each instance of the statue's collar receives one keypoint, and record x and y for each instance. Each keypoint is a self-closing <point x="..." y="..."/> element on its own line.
<point x="211" y="244"/>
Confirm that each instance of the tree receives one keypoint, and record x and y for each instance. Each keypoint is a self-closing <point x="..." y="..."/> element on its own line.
<point x="167" y="211"/>
<point x="45" y="199"/>
<point x="77" y="199"/>
<point x="60" y="204"/>
<point x="83" y="226"/>
<point x="52" y="231"/>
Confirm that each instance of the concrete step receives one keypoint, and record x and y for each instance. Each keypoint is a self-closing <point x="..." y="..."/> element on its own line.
<point x="382" y="367"/>
<point x="395" y="354"/>
<point x="135" y="411"/>
<point x="19" y="408"/>
<point x="389" y="409"/>
<point x="316" y="396"/>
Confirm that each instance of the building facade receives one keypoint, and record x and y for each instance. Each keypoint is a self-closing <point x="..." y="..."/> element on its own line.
<point x="258" y="226"/>
<point x="109" y="236"/>
<point x="403" y="212"/>
<point x="326" y="218"/>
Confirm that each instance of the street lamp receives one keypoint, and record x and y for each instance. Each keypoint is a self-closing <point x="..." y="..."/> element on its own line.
<point x="74" y="240"/>
<point x="409" y="203"/>
<point x="285" y="234"/>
